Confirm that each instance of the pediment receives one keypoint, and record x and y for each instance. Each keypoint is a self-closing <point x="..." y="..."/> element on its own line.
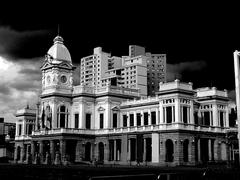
<point x="45" y="65"/>
<point x="115" y="108"/>
<point x="65" y="65"/>
<point x="101" y="108"/>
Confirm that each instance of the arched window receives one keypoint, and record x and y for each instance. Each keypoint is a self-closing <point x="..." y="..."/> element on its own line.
<point x="101" y="151"/>
<point x="62" y="117"/>
<point x="18" y="153"/>
<point x="185" y="150"/>
<point x="88" y="151"/>
<point x="169" y="150"/>
<point x="49" y="117"/>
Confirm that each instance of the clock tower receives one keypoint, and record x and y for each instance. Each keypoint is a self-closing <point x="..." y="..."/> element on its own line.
<point x="57" y="87"/>
<point x="57" y="70"/>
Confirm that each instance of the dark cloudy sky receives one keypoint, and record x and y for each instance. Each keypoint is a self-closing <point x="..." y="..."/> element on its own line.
<point x="199" y="40"/>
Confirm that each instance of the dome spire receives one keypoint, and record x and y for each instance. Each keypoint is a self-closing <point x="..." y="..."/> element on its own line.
<point x="58" y="32"/>
<point x="58" y="39"/>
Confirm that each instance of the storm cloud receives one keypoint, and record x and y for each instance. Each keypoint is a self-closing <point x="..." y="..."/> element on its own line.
<point x="176" y="71"/>
<point x="14" y="44"/>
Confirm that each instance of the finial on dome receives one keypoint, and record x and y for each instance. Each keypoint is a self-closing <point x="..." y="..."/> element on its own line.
<point x="58" y="39"/>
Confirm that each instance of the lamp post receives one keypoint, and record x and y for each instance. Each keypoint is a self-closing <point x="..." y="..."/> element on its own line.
<point x="37" y="116"/>
<point x="237" y="88"/>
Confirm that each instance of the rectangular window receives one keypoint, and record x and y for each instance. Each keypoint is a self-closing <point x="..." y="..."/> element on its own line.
<point x="76" y="117"/>
<point x="221" y="119"/>
<point x="30" y="128"/>
<point x="196" y="118"/>
<point x="124" y="120"/>
<point x="131" y="119"/>
<point x="138" y="119"/>
<point x="169" y="114"/>
<point x="145" y="116"/>
<point x="153" y="117"/>
<point x="101" y="120"/>
<point x="19" y="129"/>
<point x="207" y="118"/>
<point x="88" y="121"/>
<point x="184" y="114"/>
<point x="114" y="120"/>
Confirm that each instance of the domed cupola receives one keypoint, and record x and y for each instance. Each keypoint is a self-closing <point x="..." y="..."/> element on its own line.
<point x="58" y="51"/>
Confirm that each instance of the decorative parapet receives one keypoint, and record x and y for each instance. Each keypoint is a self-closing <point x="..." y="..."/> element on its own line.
<point x="175" y="85"/>
<point x="140" y="101"/>
<point x="26" y="111"/>
<point x="22" y="137"/>
<point x="157" y="127"/>
<point x="203" y="92"/>
<point x="105" y="89"/>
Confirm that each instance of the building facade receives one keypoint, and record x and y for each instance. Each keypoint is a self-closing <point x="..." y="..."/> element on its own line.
<point x="139" y="70"/>
<point x="116" y="125"/>
<point x="7" y="136"/>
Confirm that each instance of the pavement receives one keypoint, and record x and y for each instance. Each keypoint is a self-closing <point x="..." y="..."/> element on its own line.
<point x="90" y="172"/>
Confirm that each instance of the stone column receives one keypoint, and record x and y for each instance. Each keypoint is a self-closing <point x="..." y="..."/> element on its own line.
<point x="155" y="148"/>
<point x="128" y="119"/>
<point x="162" y="151"/>
<point x="161" y="119"/>
<point x="211" y="118"/>
<point x="23" y="153"/>
<point x="149" y="117"/>
<point x="24" y="127"/>
<point x="199" y="150"/>
<point x="52" y="150"/>
<point x="191" y="155"/>
<point x="115" y="150"/>
<point x="227" y="117"/>
<point x="120" y="119"/>
<point x="142" y="120"/>
<point x="129" y="150"/>
<point x="79" y="155"/>
<point x="15" y="153"/>
<point x="41" y="151"/>
<point x="135" y="118"/>
<point x="124" y="145"/>
<point x="215" y="114"/>
<point x="63" y="150"/>
<point x="173" y="114"/>
<point x="144" y="149"/>
<point x="82" y="115"/>
<point x="177" y="110"/>
<point x="157" y="116"/>
<point x="178" y="152"/>
<point x="165" y="115"/>
<point x="28" y="154"/>
<point x="108" y="113"/>
<point x="37" y="117"/>
<point x="188" y="115"/>
<point x="33" y="150"/>
<point x="105" y="151"/>
<point x="209" y="150"/>
<point x="191" y="112"/>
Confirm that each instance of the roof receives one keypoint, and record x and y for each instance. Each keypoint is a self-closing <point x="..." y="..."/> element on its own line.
<point x="58" y="51"/>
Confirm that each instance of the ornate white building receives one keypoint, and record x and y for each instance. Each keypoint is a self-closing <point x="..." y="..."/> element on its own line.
<point x="115" y="125"/>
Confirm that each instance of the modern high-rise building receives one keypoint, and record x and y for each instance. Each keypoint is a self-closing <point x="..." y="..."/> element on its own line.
<point x="116" y="125"/>
<point x="101" y="68"/>
<point x="139" y="70"/>
<point x="156" y="67"/>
